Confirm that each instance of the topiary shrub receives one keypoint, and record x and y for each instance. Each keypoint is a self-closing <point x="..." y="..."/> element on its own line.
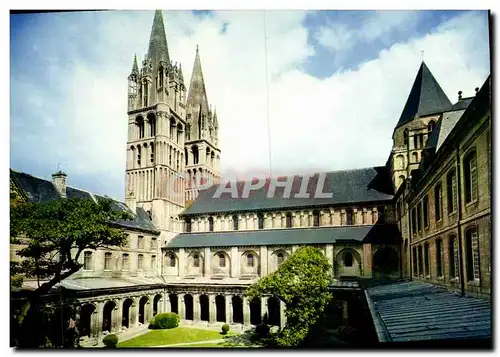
<point x="225" y="328"/>
<point x="110" y="341"/>
<point x="165" y="320"/>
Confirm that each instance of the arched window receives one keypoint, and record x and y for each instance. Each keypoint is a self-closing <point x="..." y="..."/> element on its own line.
<point x="420" y="261"/>
<point x="138" y="155"/>
<point x="222" y="260"/>
<point x="125" y="262"/>
<point x="348" y="259"/>
<point x="451" y="194"/>
<point x="453" y="256"/>
<point x="439" y="257"/>
<point x="140" y="259"/>
<point x="400" y="162"/>
<point x="280" y="257"/>
<point x="414" y="156"/>
<point x="235" y="222"/>
<point x="87" y="261"/>
<point x="250" y="261"/>
<point x="430" y="126"/>
<point x="288" y="220"/>
<point x="405" y="137"/>
<point x="349" y="217"/>
<point x="139" y="122"/>
<point x="414" y="261"/>
<point x="188" y="225"/>
<point x="152" y="153"/>
<point x="196" y="260"/>
<point x="152" y="124"/>
<point x="107" y="261"/>
<point x="196" y="155"/>
<point x="438" y="207"/>
<point x="160" y="77"/>
<point x="316" y="218"/>
<point x="153" y="262"/>
<point x="470" y="177"/>
<point x="180" y="131"/>
<point x="472" y="252"/>
<point x="172" y="128"/>
<point x="172" y="260"/>
<point x="260" y="220"/>
<point x="210" y="224"/>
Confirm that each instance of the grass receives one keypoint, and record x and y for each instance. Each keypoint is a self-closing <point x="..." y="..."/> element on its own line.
<point x="173" y="336"/>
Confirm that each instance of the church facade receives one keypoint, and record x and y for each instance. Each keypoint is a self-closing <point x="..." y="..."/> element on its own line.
<point x="425" y="215"/>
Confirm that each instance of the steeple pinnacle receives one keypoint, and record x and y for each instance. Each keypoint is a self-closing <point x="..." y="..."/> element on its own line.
<point x="135" y="68"/>
<point x="158" y="49"/>
<point x="197" y="95"/>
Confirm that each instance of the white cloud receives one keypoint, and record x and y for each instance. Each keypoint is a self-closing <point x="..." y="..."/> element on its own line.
<point x="336" y="37"/>
<point x="344" y="121"/>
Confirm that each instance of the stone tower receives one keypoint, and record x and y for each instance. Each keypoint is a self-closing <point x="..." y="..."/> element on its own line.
<point x="423" y="108"/>
<point x="156" y="135"/>
<point x="202" y="136"/>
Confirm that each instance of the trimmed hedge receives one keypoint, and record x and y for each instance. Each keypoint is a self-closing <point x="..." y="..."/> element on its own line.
<point x="225" y="328"/>
<point x="110" y="341"/>
<point x="165" y="320"/>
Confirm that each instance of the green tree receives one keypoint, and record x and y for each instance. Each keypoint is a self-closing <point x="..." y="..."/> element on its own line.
<point x="300" y="282"/>
<point x="54" y="235"/>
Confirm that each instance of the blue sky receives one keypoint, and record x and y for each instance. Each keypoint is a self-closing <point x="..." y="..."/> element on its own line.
<point x="338" y="81"/>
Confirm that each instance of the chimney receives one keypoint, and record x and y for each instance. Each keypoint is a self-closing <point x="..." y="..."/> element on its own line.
<point x="131" y="202"/>
<point x="459" y="95"/>
<point x="476" y="90"/>
<point x="59" y="181"/>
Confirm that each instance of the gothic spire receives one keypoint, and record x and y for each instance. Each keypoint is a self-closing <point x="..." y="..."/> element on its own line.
<point x="135" y="68"/>
<point x="216" y="122"/>
<point x="197" y="95"/>
<point x="158" y="49"/>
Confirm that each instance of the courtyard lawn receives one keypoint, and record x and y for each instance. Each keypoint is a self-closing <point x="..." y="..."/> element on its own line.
<point x="173" y="336"/>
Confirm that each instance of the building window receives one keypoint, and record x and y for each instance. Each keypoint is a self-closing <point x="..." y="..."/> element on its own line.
<point x="420" y="261"/>
<point x="472" y="250"/>
<point x="438" y="207"/>
<point x="430" y="126"/>
<point x="426" y="259"/>
<point x="280" y="258"/>
<point x="260" y="221"/>
<point x="348" y="258"/>
<point x="288" y="220"/>
<point x="349" y="220"/>
<point x="210" y="224"/>
<point x="414" y="220"/>
<point x="140" y="259"/>
<point x="470" y="177"/>
<point x="414" y="157"/>
<point x="451" y="194"/>
<point x="140" y="242"/>
<point x="405" y="137"/>
<point x="196" y="261"/>
<point x="87" y="261"/>
<point x="172" y="260"/>
<point x="188" y="225"/>
<point x="222" y="260"/>
<point x="152" y="154"/>
<point x="453" y="256"/>
<point x="414" y="261"/>
<point x="439" y="257"/>
<point x="250" y="260"/>
<point x="316" y="218"/>
<point x="107" y="261"/>
<point x="125" y="261"/>
<point x="154" y="243"/>
<point x="235" y="222"/>
<point x="138" y="155"/>
<point x="381" y="214"/>
<point x="153" y="262"/>
<point x="425" y="210"/>
<point x="419" y="216"/>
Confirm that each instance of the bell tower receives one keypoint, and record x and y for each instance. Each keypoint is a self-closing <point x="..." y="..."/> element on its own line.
<point x="156" y="135"/>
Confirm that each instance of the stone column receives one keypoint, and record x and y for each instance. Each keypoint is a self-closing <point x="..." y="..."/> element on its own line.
<point x="166" y="302"/>
<point x="234" y="262"/>
<point x="100" y="311"/>
<point x="345" y="313"/>
<point x="228" y="302"/>
<point x="150" y="306"/>
<point x="180" y="305"/>
<point x="263" y="260"/>
<point x="329" y="256"/>
<point x="207" y="260"/>
<point x="282" y="315"/>
<point x="263" y="308"/>
<point x="134" y="312"/>
<point x="117" y="320"/>
<point x="246" y="311"/>
<point x="211" y="308"/>
<point x="94" y="322"/>
<point x="196" y="307"/>
<point x="182" y="262"/>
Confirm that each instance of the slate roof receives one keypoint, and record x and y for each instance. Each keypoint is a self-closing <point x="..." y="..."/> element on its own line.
<point x="443" y="127"/>
<point x="40" y="190"/>
<point x="462" y="103"/>
<point x="348" y="186"/>
<point x="426" y="97"/>
<point x="382" y="233"/>
<point x="414" y="311"/>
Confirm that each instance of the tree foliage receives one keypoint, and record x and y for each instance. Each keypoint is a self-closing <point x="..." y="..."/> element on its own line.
<point x="54" y="234"/>
<point x="300" y="282"/>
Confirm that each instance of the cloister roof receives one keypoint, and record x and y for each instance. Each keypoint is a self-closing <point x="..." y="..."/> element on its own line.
<point x="378" y="233"/>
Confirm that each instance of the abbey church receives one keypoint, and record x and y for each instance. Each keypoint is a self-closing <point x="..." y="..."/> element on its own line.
<point x="423" y="217"/>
